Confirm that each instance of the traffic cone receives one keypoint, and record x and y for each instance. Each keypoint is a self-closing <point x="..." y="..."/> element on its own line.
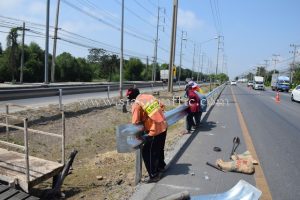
<point x="277" y="98"/>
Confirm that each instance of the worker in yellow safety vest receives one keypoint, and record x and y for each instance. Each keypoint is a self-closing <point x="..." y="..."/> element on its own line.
<point x="147" y="110"/>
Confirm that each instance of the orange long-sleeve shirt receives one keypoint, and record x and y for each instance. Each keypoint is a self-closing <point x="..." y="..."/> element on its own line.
<point x="140" y="116"/>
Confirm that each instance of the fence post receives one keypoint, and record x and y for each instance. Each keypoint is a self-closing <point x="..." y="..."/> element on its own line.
<point x="138" y="166"/>
<point x="63" y="132"/>
<point x="108" y="90"/>
<point x="60" y="100"/>
<point x="6" y="120"/>
<point x="26" y="149"/>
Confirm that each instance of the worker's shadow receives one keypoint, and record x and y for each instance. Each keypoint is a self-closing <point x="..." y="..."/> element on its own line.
<point x="177" y="169"/>
<point x="206" y="126"/>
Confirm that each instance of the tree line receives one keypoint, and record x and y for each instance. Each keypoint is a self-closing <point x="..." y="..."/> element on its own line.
<point x="98" y="66"/>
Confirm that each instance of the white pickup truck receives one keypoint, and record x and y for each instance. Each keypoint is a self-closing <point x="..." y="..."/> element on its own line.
<point x="258" y="83"/>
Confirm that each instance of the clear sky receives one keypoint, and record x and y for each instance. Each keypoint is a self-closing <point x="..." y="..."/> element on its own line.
<point x="252" y="30"/>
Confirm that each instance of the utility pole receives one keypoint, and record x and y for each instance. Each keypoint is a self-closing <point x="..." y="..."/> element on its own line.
<point x="54" y="43"/>
<point x="121" y="58"/>
<point x="193" y="68"/>
<point x="154" y="67"/>
<point x="294" y="52"/>
<point x="22" y="54"/>
<point x="147" y="63"/>
<point x="266" y="66"/>
<point x="275" y="59"/>
<point x="155" y="47"/>
<point x="202" y="57"/>
<point x="218" y="54"/>
<point x="173" y="45"/>
<point x="180" y="62"/>
<point x="47" y="43"/>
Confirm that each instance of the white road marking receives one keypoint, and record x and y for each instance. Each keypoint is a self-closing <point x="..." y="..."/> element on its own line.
<point x="180" y="187"/>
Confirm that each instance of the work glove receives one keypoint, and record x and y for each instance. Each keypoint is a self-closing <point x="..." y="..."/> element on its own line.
<point x="243" y="166"/>
<point x="244" y="156"/>
<point x="144" y="137"/>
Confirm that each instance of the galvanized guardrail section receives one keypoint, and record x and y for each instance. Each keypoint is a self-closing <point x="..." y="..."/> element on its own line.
<point x="126" y="135"/>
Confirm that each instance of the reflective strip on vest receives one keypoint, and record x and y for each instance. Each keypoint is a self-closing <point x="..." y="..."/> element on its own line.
<point x="150" y="109"/>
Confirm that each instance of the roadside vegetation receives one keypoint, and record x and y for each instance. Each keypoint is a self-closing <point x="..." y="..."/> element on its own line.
<point x="99" y="65"/>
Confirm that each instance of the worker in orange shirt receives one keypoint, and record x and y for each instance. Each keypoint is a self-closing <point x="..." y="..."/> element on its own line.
<point x="148" y="111"/>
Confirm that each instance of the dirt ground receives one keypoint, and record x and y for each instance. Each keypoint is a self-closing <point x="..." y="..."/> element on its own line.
<point x="99" y="172"/>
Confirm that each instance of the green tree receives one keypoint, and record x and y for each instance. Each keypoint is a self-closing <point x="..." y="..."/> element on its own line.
<point x="222" y="77"/>
<point x="34" y="63"/>
<point x="261" y="71"/>
<point x="4" y="71"/>
<point x="86" y="70"/>
<point x="296" y="75"/>
<point x="133" y="69"/>
<point x="12" y="49"/>
<point x="103" y="63"/>
<point x="67" y="67"/>
<point x="1" y="50"/>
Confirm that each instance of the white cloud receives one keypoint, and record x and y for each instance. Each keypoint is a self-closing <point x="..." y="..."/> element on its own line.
<point x="188" y="20"/>
<point x="8" y="4"/>
<point x="37" y="7"/>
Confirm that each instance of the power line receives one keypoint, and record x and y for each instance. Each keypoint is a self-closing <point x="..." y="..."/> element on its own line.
<point x="136" y="15"/>
<point x="138" y="3"/>
<point x="105" y="22"/>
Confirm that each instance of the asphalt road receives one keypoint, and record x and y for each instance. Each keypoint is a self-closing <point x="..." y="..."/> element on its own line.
<point x="275" y="132"/>
<point x="44" y="101"/>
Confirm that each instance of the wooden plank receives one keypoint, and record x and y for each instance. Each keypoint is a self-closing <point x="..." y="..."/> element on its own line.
<point x="20" y="196"/>
<point x="9" y="193"/>
<point x="3" y="188"/>
<point x="32" y="198"/>
<point x="12" y="165"/>
<point x="12" y="145"/>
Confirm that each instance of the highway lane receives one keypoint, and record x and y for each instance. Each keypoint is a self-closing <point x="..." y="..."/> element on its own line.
<point x="189" y="170"/>
<point x="44" y="101"/>
<point x="275" y="131"/>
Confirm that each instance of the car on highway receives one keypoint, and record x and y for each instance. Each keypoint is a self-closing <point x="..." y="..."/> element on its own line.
<point x="250" y="83"/>
<point x="233" y="83"/>
<point x="295" y="96"/>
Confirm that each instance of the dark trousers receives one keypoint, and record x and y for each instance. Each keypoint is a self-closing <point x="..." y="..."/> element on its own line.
<point x="193" y="119"/>
<point x="153" y="153"/>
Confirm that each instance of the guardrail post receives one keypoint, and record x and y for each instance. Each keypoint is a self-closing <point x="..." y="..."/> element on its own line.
<point x="60" y="100"/>
<point x="152" y="86"/>
<point x="6" y="121"/>
<point x="26" y="150"/>
<point x="63" y="132"/>
<point x="108" y="90"/>
<point x="138" y="166"/>
<point x="163" y="85"/>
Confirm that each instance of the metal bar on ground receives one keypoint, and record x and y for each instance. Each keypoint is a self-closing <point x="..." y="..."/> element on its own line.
<point x="26" y="150"/>
<point x="108" y="90"/>
<point x="31" y="130"/>
<point x="6" y="121"/>
<point x="12" y="116"/>
<point x="13" y="145"/>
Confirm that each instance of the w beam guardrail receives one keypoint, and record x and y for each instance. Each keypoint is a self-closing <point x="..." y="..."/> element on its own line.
<point x="127" y="134"/>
